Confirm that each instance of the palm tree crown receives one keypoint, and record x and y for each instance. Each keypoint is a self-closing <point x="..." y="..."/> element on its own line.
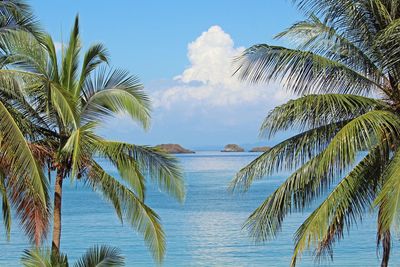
<point x="50" y="108"/>
<point x="15" y="15"/>
<point x="345" y="66"/>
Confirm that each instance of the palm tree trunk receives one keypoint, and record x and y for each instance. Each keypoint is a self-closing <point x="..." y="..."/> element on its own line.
<point x="55" y="246"/>
<point x="386" y="249"/>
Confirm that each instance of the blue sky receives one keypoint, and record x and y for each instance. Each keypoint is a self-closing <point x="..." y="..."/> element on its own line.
<point x="182" y="52"/>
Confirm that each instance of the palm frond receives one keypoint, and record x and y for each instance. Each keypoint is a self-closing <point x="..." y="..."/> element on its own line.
<point x="286" y="155"/>
<point x="313" y="111"/>
<point x="79" y="147"/>
<point x="139" y="216"/>
<point x="94" y="56"/>
<point x="65" y="105"/>
<point x="388" y="199"/>
<point x="28" y="93"/>
<point x="317" y="36"/>
<point x="108" y="94"/>
<point x="386" y="40"/>
<point x="52" y="69"/>
<point x="342" y="208"/>
<point x="96" y="256"/>
<point x="36" y="258"/>
<point x="42" y="257"/>
<point x="354" y="18"/>
<point x="161" y="168"/>
<point x="70" y="60"/>
<point x="29" y="177"/>
<point x="17" y="101"/>
<point x="22" y="51"/>
<point x="17" y="15"/>
<point x="315" y="177"/>
<point x="319" y="113"/>
<point x="301" y="72"/>
<point x="99" y="256"/>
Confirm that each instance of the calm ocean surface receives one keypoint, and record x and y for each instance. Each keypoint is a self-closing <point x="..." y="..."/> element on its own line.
<point x="204" y="231"/>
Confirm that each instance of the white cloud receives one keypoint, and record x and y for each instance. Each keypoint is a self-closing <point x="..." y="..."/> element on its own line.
<point x="208" y="81"/>
<point x="211" y="57"/>
<point x="204" y="105"/>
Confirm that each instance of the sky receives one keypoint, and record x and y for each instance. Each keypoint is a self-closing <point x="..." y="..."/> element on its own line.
<point x="182" y="51"/>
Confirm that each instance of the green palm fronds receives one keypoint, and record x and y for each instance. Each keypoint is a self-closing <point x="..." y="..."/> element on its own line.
<point x="344" y="67"/>
<point x="96" y="256"/>
<point x="101" y="256"/>
<point x="131" y="207"/>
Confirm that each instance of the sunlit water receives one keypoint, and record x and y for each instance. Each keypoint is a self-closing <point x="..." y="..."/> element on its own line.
<point x="204" y="231"/>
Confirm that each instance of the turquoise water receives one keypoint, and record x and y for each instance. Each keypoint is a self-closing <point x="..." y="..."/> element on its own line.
<point x="205" y="231"/>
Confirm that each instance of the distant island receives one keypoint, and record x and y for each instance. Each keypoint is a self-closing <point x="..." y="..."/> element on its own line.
<point x="232" y="148"/>
<point x="174" y="149"/>
<point x="260" y="149"/>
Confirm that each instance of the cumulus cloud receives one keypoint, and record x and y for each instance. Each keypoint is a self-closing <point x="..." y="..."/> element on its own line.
<point x="208" y="80"/>
<point x="211" y="56"/>
<point x="204" y="105"/>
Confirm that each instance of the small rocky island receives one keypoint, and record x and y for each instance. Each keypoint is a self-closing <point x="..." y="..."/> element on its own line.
<point x="260" y="149"/>
<point x="174" y="149"/>
<point x="232" y="148"/>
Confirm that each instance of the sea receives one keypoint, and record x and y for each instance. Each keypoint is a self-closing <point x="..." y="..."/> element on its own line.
<point x="206" y="230"/>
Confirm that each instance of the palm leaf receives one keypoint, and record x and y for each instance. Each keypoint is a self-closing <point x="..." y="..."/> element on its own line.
<point x="386" y="40"/>
<point x="286" y="155"/>
<point x="139" y="216"/>
<point x="317" y="36"/>
<point x="161" y="168"/>
<point x="79" y="147"/>
<point x="21" y="50"/>
<point x="342" y="208"/>
<point x="52" y="69"/>
<point x="94" y="56"/>
<point x="101" y="256"/>
<point x="25" y="169"/>
<point x="313" y="111"/>
<point x="62" y="101"/>
<point x="388" y="199"/>
<point x="38" y="257"/>
<point x="17" y="15"/>
<point x="354" y="18"/>
<point x="109" y="94"/>
<point x="70" y="60"/>
<point x="301" y="72"/>
<point x="314" y="177"/>
<point x="296" y="150"/>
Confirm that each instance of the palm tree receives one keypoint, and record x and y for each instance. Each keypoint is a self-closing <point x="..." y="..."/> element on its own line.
<point x="50" y="109"/>
<point x="15" y="15"/>
<point x="94" y="256"/>
<point x="345" y="68"/>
